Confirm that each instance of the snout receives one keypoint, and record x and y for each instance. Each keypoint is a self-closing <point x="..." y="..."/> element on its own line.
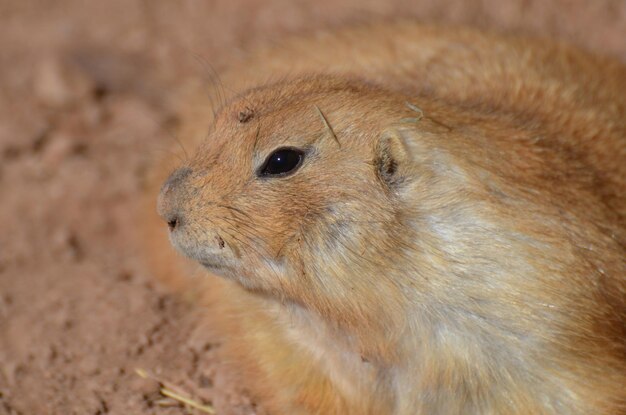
<point x="200" y="240"/>
<point x="169" y="200"/>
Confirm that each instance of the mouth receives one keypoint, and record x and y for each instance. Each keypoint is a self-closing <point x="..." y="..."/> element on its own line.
<point x="218" y="263"/>
<point x="212" y="265"/>
<point x="219" y="268"/>
<point x="208" y="260"/>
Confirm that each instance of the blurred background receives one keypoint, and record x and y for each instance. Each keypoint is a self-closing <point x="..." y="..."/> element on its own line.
<point x="88" y="96"/>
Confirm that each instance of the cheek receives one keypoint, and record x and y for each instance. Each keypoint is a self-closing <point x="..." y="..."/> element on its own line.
<point x="280" y="216"/>
<point x="356" y="225"/>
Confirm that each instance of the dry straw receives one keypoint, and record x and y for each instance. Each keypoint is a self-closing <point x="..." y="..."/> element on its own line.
<point x="169" y="391"/>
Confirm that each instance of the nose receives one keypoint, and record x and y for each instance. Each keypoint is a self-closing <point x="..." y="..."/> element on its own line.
<point x="172" y="223"/>
<point x="168" y="203"/>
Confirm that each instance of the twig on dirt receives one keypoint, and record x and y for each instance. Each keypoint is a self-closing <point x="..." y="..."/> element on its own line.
<point x="172" y="392"/>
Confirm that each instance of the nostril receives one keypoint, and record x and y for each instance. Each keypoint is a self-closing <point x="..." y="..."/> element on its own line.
<point x="172" y="223"/>
<point x="169" y="198"/>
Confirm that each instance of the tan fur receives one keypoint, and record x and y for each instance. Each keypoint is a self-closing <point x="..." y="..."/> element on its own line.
<point x="452" y="244"/>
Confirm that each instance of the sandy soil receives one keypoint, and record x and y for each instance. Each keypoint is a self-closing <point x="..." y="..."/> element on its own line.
<point x="88" y="98"/>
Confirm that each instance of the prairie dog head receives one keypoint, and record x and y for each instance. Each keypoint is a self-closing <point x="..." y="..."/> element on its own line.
<point x="297" y="192"/>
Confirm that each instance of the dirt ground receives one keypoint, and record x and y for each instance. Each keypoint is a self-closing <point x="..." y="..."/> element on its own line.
<point x="87" y="99"/>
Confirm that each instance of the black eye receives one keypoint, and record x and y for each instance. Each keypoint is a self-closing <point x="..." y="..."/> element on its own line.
<point x="282" y="162"/>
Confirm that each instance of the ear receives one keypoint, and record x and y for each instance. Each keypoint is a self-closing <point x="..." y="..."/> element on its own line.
<point x="392" y="158"/>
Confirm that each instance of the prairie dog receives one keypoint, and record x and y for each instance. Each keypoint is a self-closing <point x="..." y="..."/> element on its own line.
<point x="400" y="219"/>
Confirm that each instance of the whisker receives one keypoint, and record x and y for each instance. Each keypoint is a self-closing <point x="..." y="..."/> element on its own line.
<point x="168" y="150"/>
<point x="160" y="123"/>
<point x="248" y="229"/>
<point x="234" y="209"/>
<point x="249" y="246"/>
<point x="257" y="135"/>
<point x="211" y="87"/>
<point x="179" y="142"/>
